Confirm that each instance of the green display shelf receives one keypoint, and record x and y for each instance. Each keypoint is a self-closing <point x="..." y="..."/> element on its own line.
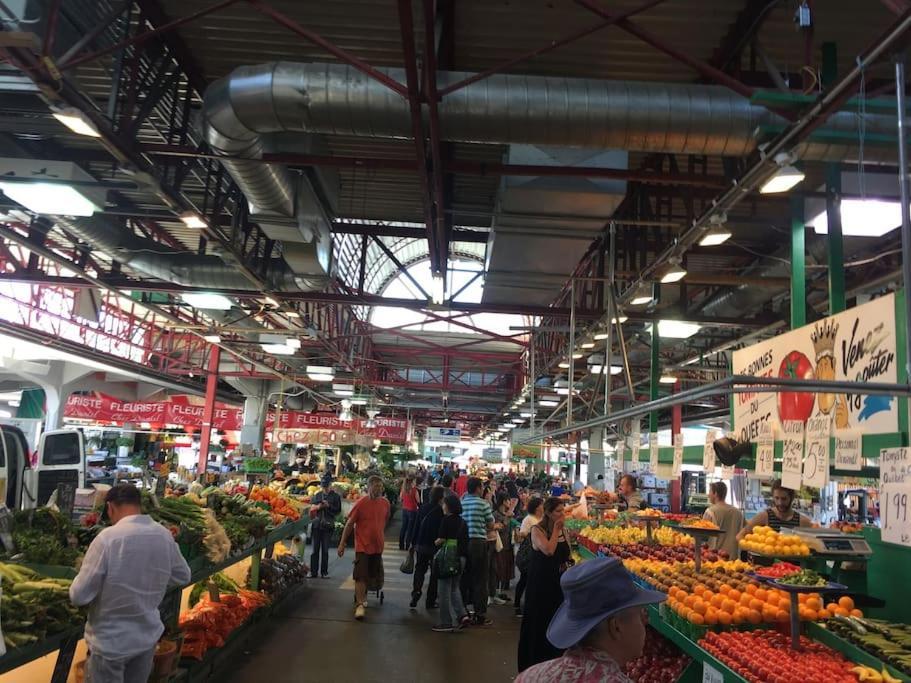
<point x="19" y="656"/>
<point x="850" y="650"/>
<point x="690" y="647"/>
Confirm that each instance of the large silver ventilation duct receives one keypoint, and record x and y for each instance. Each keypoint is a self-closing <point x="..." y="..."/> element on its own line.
<point x="571" y="112"/>
<point x="164" y="263"/>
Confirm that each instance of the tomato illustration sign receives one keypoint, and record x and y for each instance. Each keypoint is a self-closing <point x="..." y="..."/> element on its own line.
<point x="856" y="345"/>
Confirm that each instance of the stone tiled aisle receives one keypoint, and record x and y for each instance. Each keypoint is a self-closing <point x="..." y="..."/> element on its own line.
<point x="319" y="640"/>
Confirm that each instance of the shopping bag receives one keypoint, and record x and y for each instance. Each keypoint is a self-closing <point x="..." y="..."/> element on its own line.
<point x="407" y="566"/>
<point x="447" y="560"/>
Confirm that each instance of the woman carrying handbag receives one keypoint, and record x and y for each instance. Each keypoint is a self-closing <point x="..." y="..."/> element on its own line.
<point x="450" y="562"/>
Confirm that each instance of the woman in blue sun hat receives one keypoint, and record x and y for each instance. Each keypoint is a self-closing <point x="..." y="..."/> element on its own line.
<point x="600" y="625"/>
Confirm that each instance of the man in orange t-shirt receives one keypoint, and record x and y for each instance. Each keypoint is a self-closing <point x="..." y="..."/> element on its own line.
<point x="368" y="520"/>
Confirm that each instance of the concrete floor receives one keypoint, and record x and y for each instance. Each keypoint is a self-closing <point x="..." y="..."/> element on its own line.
<point x="318" y="639"/>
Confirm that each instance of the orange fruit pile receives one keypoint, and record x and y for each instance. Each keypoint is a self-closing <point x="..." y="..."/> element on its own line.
<point x="811" y="607"/>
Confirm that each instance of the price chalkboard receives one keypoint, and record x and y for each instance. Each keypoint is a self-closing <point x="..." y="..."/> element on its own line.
<point x="896" y="520"/>
<point x="66" y="498"/>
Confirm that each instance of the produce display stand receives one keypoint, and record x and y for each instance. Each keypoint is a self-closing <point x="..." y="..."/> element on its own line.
<point x="65" y="643"/>
<point x="793" y="591"/>
<point x="700" y="536"/>
<point x="650" y="522"/>
<point x="855" y="654"/>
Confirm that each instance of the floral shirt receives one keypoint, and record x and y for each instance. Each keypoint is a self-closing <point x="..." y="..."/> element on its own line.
<point x="577" y="665"/>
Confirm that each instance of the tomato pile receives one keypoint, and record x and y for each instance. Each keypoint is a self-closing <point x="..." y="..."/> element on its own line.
<point x="778" y="570"/>
<point x="660" y="662"/>
<point x="764" y="656"/>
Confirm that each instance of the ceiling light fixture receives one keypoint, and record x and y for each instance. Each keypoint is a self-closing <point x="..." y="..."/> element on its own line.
<point x="577" y="355"/>
<point x="343" y="389"/>
<point x="786" y="177"/>
<point x="600" y="336"/>
<point x="76" y="120"/>
<point x="672" y="271"/>
<point x="563" y="364"/>
<point x="277" y="349"/>
<point x="49" y="198"/>
<point x="292" y="314"/>
<point x="193" y="220"/>
<point x="293" y="342"/>
<point x="437" y="289"/>
<point x="587" y="345"/>
<point x="207" y="300"/>
<point x="212" y="338"/>
<point x="667" y="379"/>
<point x="320" y="373"/>
<point x="718" y="232"/>
<point x="675" y="329"/>
<point x="642" y="295"/>
<point x="862" y="218"/>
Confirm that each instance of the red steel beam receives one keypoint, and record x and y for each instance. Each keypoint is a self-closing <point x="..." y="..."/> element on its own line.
<point x="553" y="45"/>
<point x="331" y="48"/>
<point x="492" y="335"/>
<point x="436" y="386"/>
<point x="441" y="240"/>
<point x="393" y="350"/>
<point x="707" y="70"/>
<point x="406" y="24"/>
<point x="144" y="37"/>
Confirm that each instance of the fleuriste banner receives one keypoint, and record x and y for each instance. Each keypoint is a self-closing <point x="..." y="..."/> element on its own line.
<point x="187" y="411"/>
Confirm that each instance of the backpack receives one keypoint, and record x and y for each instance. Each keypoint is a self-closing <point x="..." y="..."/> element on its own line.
<point x="447" y="561"/>
<point x="523" y="554"/>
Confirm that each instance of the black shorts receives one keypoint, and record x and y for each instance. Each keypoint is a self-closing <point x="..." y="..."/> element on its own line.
<point x="369" y="568"/>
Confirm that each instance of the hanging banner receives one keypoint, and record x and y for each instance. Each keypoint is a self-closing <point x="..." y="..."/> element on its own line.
<point x="532" y="449"/>
<point x="856" y="345"/>
<point x="791" y="454"/>
<point x="635" y="453"/>
<point x="678" y="454"/>
<point x="188" y="411"/>
<point x="708" y="451"/>
<point x="816" y="462"/>
<point x="765" y="453"/>
<point x="848" y="454"/>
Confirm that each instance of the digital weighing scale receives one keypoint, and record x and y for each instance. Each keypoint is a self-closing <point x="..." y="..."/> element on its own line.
<point x="832" y="542"/>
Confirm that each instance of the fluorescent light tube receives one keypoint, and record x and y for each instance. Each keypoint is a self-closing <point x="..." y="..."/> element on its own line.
<point x="193" y="220"/>
<point x="49" y="198"/>
<point x="205" y="300"/>
<point x="212" y="338"/>
<point x="76" y="121"/>
<point x="588" y="345"/>
<point x="293" y="342"/>
<point x="667" y="379"/>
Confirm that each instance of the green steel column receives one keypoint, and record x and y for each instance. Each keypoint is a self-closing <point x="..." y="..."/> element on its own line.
<point x="836" y="244"/>
<point x="655" y="378"/>
<point x="798" y="265"/>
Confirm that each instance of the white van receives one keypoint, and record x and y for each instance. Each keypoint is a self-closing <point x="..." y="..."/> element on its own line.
<point x="60" y="459"/>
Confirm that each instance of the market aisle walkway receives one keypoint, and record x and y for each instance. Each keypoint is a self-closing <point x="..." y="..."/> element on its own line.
<point x="319" y="640"/>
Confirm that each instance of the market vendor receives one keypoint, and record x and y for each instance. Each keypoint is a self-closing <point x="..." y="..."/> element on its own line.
<point x="628" y="496"/>
<point x="601" y="625"/>
<point x="780" y="515"/>
<point x="728" y="518"/>
<point x="327" y="505"/>
<point x="123" y="579"/>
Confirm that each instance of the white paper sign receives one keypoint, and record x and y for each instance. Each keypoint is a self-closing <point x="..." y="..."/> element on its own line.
<point x="816" y="461"/>
<point x="896" y="520"/>
<point x="678" y="454"/>
<point x="635" y="457"/>
<point x="894" y="465"/>
<point x="653" y="452"/>
<point x="765" y="453"/>
<point x="621" y="451"/>
<point x="708" y="452"/>
<point x="791" y="454"/>
<point x="848" y="453"/>
<point x="710" y="674"/>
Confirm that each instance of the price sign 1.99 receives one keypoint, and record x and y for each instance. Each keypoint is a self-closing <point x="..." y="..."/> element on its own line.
<point x="896" y="520"/>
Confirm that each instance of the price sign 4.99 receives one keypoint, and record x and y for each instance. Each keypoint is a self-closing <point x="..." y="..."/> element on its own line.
<point x="896" y="520"/>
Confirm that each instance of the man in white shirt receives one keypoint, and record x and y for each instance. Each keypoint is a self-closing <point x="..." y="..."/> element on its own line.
<point x="124" y="576"/>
